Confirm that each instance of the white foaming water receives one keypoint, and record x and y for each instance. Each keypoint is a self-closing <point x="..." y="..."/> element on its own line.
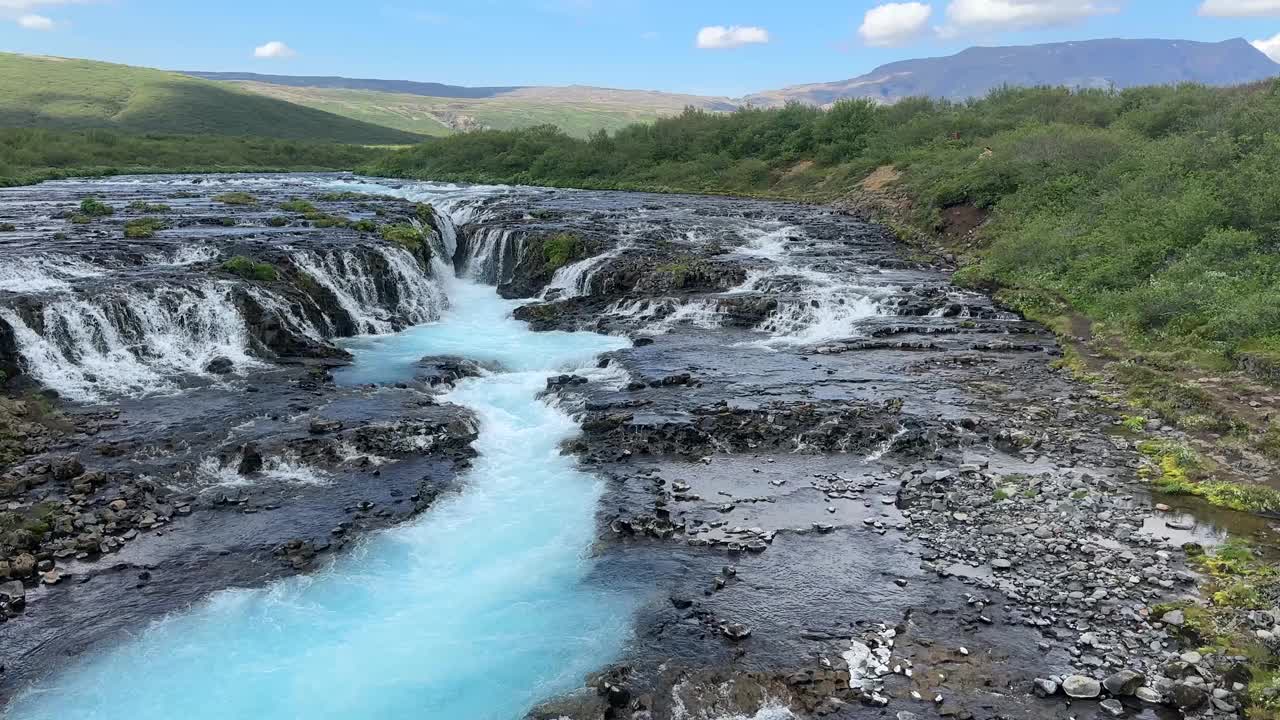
<point x="185" y="255"/>
<point x="810" y="320"/>
<point x="353" y="283"/>
<point x="132" y="343"/>
<point x="768" y="240"/>
<point x="487" y="254"/>
<point x="44" y="272"/>
<point x="477" y="609"/>
<point x="574" y="280"/>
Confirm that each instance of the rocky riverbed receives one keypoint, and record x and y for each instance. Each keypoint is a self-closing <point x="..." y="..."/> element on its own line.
<point x="835" y="485"/>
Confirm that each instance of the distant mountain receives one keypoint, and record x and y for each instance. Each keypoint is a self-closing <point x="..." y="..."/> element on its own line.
<point x="61" y="93"/>
<point x="1085" y="64"/>
<point x="403" y="87"/>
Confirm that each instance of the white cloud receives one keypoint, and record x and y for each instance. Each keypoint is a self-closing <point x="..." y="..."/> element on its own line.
<point x="969" y="16"/>
<point x="274" y="49"/>
<point x="894" y="23"/>
<point x="1270" y="48"/>
<point x="35" y="22"/>
<point x="21" y="12"/>
<point x="719" y="37"/>
<point x="1240" y="8"/>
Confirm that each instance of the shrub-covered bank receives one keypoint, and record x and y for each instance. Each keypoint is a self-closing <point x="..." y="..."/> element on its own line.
<point x="1149" y="218"/>
<point x="29" y="156"/>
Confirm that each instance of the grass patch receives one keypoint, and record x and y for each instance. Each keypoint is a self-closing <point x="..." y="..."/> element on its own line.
<point x="561" y="249"/>
<point x="404" y="234"/>
<point x="145" y="207"/>
<point x="92" y="208"/>
<point x="348" y="196"/>
<point x="143" y="228"/>
<point x="298" y="205"/>
<point x="236" y="198"/>
<point x="1179" y="470"/>
<point x="250" y="269"/>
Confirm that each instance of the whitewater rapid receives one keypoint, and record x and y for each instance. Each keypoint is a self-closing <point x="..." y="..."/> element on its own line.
<point x="477" y="609"/>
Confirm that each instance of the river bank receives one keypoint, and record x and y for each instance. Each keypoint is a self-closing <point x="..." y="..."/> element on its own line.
<point x="829" y="481"/>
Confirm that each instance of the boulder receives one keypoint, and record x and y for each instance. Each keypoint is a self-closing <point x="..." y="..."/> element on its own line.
<point x="1187" y="696"/>
<point x="1044" y="688"/>
<point x="220" y="366"/>
<point x="1124" y="682"/>
<point x="1079" y="686"/>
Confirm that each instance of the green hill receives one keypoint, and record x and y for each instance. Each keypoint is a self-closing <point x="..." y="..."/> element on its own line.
<point x="577" y="110"/>
<point x="64" y="94"/>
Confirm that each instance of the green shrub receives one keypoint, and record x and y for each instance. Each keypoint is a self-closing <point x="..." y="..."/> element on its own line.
<point x="298" y="205"/>
<point x="236" y="198"/>
<point x="404" y="234"/>
<point x="365" y="226"/>
<point x="92" y="207"/>
<point x="146" y="207"/>
<point x="561" y="249"/>
<point x="143" y="228"/>
<point x="250" y="269"/>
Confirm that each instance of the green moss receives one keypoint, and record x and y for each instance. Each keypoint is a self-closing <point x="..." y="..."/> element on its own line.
<point x="8" y="227"/>
<point x="298" y="205"/>
<point x="425" y="213"/>
<point x="365" y="226"/>
<point x="325" y="220"/>
<point x="146" y="207"/>
<point x="236" y="198"/>
<point x="92" y="207"/>
<point x="143" y="228"/>
<point x="561" y="249"/>
<point x="348" y="196"/>
<point x="1133" y="423"/>
<point x="250" y="269"/>
<point x="402" y="234"/>
<point x="1179" y="470"/>
<point x="278" y="221"/>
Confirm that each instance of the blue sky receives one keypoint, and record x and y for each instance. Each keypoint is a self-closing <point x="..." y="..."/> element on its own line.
<point x="717" y="47"/>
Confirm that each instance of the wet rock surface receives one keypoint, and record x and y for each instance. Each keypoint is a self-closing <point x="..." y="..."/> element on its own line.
<point x="215" y="472"/>
<point x="836" y="485"/>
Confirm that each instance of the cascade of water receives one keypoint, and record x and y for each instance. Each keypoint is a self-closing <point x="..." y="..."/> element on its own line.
<point x="354" y="285"/>
<point x="42" y="273"/>
<point x="131" y="341"/>
<point x="288" y="314"/>
<point x="492" y="254"/>
<point x="419" y="299"/>
<point x="574" y="280"/>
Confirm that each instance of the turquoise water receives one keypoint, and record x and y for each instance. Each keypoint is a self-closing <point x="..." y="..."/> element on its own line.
<point x="476" y="610"/>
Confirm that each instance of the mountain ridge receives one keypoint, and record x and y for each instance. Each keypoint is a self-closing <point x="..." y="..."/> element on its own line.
<point x="1100" y="63"/>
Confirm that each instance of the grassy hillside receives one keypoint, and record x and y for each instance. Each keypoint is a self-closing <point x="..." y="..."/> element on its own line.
<point x="31" y="155"/>
<point x="1148" y="219"/>
<point x="579" y="111"/>
<point x="62" y="94"/>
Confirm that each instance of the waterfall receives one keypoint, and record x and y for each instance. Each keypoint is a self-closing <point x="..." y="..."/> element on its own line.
<point x="42" y="273"/>
<point x="574" y="280"/>
<point x="813" y="319"/>
<point x="131" y="342"/>
<point x="492" y="254"/>
<point x="354" y="285"/>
